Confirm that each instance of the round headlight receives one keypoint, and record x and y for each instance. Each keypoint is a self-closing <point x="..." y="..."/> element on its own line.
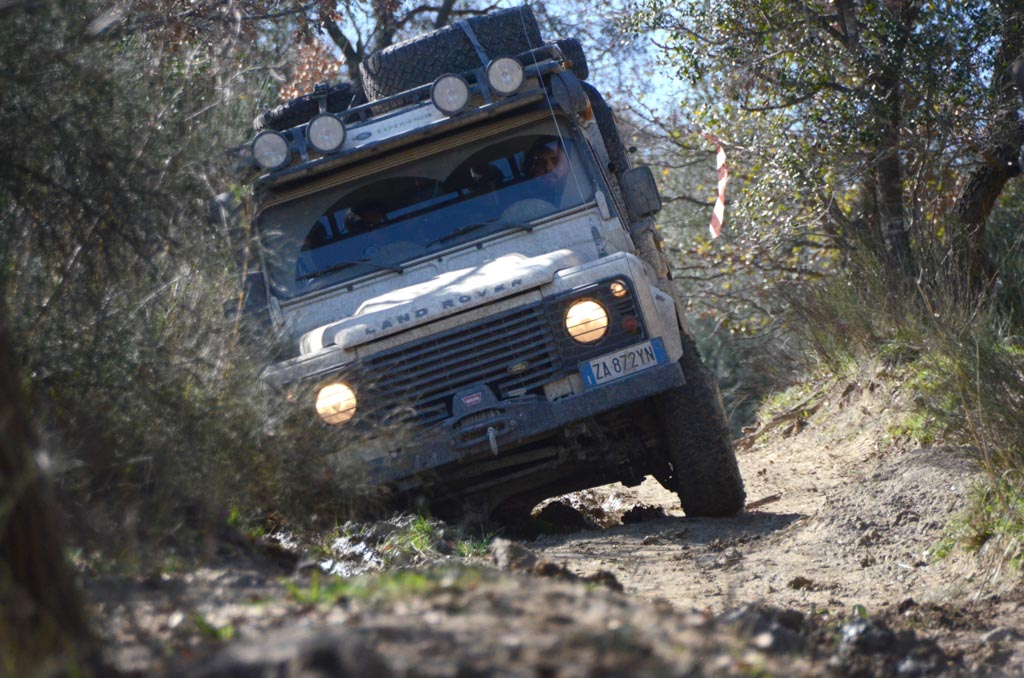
<point x="504" y="75"/>
<point x="336" y="403"/>
<point x="586" y="321"/>
<point x="450" y="94"/>
<point x="270" y="150"/>
<point x="326" y="133"/>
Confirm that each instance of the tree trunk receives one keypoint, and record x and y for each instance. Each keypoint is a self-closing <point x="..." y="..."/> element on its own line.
<point x="889" y="187"/>
<point x="887" y="168"/>
<point x="42" y="621"/>
<point x="1000" y="156"/>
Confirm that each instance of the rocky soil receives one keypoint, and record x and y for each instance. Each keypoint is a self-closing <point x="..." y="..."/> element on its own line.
<point x="833" y="568"/>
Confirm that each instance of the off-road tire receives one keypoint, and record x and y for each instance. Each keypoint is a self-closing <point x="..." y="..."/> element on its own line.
<point x="701" y="463"/>
<point x="422" y="59"/>
<point x="572" y="50"/>
<point x="617" y="157"/>
<point x="340" y="97"/>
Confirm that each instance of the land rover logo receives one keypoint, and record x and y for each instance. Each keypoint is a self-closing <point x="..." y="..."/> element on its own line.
<point x="518" y="367"/>
<point x="452" y="302"/>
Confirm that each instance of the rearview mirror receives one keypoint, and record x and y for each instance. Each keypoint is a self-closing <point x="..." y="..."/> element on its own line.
<point x="641" y="192"/>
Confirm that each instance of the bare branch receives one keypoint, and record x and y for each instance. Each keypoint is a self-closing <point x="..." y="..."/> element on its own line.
<point x="444" y="13"/>
<point x="302" y="9"/>
<point x="423" y="9"/>
<point x="103" y="26"/>
<point x="348" y="50"/>
<point x="689" y="199"/>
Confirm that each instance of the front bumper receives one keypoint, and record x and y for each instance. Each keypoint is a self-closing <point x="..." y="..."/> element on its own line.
<point x="489" y="424"/>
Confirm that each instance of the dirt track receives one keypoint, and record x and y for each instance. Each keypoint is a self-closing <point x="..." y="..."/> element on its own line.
<point x="849" y="520"/>
<point x="832" y="571"/>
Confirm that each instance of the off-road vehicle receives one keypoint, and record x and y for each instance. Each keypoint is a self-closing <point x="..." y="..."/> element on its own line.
<point x="458" y="244"/>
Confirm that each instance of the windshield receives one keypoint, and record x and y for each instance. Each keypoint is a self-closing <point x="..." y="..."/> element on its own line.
<point x="425" y="206"/>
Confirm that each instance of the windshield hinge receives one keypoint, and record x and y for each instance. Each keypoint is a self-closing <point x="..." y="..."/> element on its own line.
<point x="602" y="204"/>
<point x="595" y="233"/>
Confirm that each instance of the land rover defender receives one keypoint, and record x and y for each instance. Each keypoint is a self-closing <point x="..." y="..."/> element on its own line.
<point x="458" y="244"/>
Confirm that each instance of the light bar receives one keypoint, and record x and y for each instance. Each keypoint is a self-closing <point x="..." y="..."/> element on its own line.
<point x="450" y="93"/>
<point x="270" y="150"/>
<point x="326" y="133"/>
<point x="504" y="75"/>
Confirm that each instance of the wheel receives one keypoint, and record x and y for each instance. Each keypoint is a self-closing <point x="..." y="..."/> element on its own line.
<point x="340" y="97"/>
<point x="422" y="59"/>
<point x="618" y="160"/>
<point x="697" y="443"/>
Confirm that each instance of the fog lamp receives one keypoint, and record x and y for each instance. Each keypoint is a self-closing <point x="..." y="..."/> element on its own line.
<point x="450" y="93"/>
<point x="618" y="289"/>
<point x="336" y="403"/>
<point x="270" y="150"/>
<point x="326" y="133"/>
<point x="586" y="321"/>
<point x="504" y="75"/>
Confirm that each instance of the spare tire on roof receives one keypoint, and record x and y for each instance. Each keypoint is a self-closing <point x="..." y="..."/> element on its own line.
<point x="422" y="59"/>
<point x="340" y="97"/>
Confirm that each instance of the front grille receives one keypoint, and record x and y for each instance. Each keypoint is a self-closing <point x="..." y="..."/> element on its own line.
<point x="513" y="353"/>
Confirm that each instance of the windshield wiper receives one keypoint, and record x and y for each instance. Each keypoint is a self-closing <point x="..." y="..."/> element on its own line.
<point x="340" y="265"/>
<point x="469" y="228"/>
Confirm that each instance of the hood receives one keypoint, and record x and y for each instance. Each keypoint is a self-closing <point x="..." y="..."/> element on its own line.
<point x="445" y="295"/>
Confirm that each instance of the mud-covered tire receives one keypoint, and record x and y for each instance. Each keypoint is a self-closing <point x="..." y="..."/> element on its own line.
<point x="617" y="156"/>
<point x="697" y="443"/>
<point x="572" y="50"/>
<point x="422" y="59"/>
<point x="340" y="97"/>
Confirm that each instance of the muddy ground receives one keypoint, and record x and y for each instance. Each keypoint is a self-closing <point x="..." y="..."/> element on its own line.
<point x="834" y="568"/>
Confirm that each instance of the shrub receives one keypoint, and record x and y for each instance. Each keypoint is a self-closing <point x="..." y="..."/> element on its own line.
<point x="961" y="353"/>
<point x="147" y="398"/>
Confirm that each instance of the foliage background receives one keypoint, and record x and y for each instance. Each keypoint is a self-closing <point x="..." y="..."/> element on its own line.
<point x="115" y="128"/>
<point x="852" y="229"/>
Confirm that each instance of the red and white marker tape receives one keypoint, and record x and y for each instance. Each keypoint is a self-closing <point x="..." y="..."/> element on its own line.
<point x="718" y="214"/>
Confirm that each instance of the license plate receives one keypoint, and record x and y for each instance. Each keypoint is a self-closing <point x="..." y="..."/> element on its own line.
<point x="624" y="362"/>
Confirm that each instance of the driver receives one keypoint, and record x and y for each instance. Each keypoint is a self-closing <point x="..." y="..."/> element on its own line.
<point x="548" y="166"/>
